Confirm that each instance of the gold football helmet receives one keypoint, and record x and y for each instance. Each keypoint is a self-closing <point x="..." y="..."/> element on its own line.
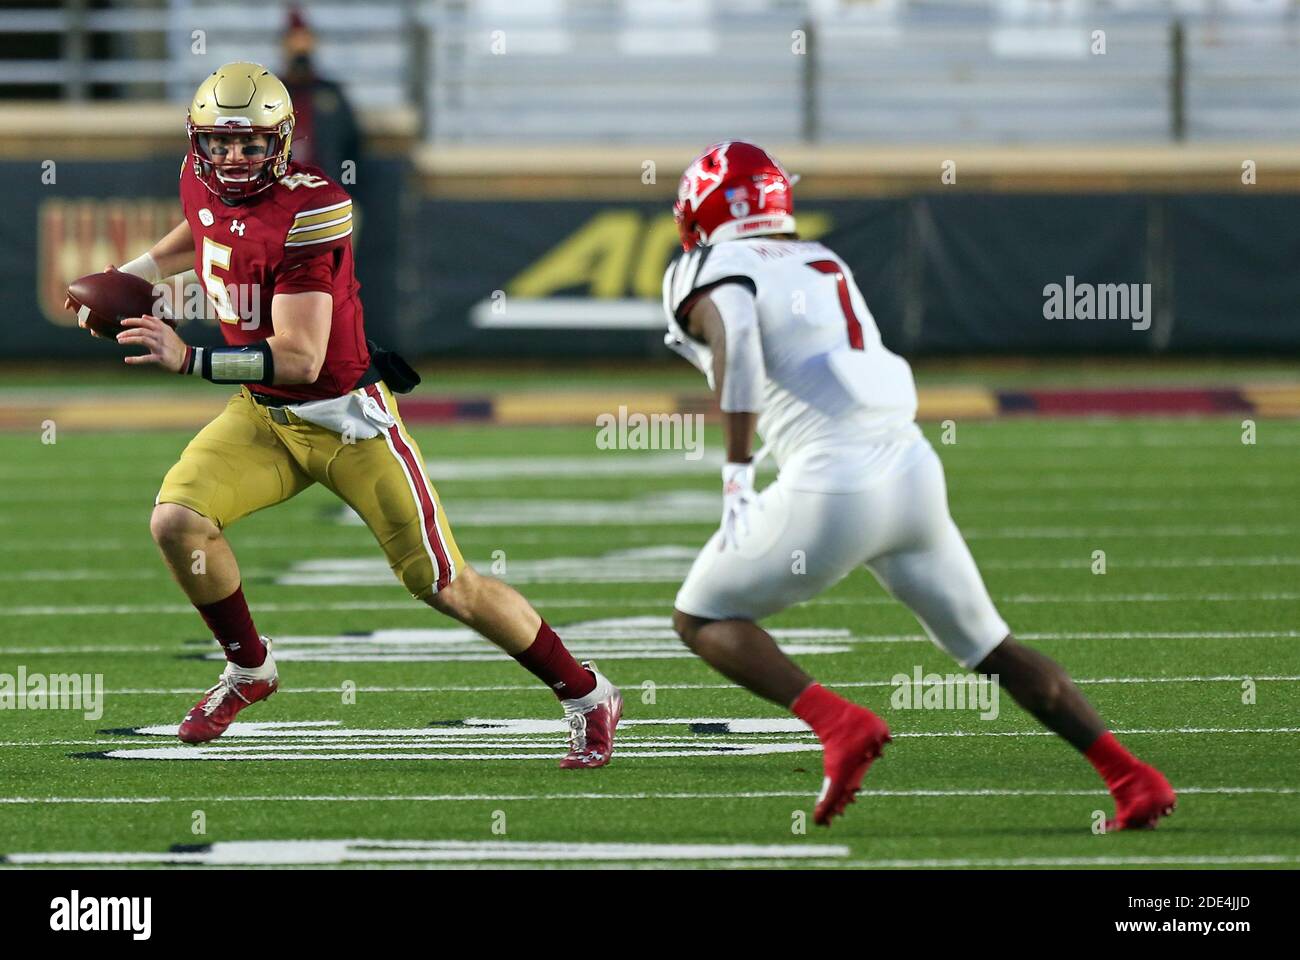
<point x="240" y="98"/>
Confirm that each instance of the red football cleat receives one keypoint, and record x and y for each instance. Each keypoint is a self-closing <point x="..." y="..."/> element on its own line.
<point x="848" y="749"/>
<point x="236" y="689"/>
<point x="592" y="720"/>
<point x="1142" y="797"/>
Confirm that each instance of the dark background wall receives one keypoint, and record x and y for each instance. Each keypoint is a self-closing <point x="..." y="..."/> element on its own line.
<point x="942" y="272"/>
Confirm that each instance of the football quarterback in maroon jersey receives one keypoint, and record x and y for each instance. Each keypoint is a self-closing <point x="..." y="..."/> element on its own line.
<point x="270" y="241"/>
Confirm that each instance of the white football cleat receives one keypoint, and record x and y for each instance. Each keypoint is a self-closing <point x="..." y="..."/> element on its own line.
<point x="592" y="720"/>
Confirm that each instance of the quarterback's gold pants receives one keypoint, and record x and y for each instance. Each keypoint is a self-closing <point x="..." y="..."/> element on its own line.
<point x="243" y="461"/>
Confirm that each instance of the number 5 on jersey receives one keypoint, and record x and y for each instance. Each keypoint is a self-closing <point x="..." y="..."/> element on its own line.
<point x="218" y="255"/>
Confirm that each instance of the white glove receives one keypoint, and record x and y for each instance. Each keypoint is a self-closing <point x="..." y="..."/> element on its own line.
<point x="737" y="495"/>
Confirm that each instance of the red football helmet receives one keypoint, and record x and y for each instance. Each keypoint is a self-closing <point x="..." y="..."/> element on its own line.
<point x="732" y="190"/>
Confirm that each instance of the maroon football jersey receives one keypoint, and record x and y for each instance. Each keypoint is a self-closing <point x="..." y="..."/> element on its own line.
<point x="292" y="237"/>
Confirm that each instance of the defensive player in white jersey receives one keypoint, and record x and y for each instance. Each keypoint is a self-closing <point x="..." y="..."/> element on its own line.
<point x="779" y="327"/>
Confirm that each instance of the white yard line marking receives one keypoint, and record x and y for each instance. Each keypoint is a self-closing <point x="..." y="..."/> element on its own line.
<point x="326" y="852"/>
<point x="288" y="753"/>
<point x="1101" y="436"/>
<point x="1233" y="597"/>
<point x="963" y="477"/>
<point x="534" y="688"/>
<point x="107" y="648"/>
<point x="577" y="467"/>
<point x="60" y="576"/>
<point x="347" y="537"/>
<point x="520" y="726"/>
<point x="699" y="507"/>
<point x="236" y="744"/>
<point x="1225" y="503"/>
<point x="607" y="602"/>
<point x="659" y="508"/>
<point x="665" y="563"/>
<point x="991" y="792"/>
<point x="157" y="609"/>
<point x="668" y="563"/>
<point x="759" y="863"/>
<point x="636" y="637"/>
<point x="1139" y="563"/>
<point x="312" y="741"/>
<point x="655" y="653"/>
<point x="532" y="514"/>
<point x="80" y="546"/>
<point x="1133" y="531"/>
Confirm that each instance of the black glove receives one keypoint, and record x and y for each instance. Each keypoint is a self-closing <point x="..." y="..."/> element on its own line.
<point x="395" y="371"/>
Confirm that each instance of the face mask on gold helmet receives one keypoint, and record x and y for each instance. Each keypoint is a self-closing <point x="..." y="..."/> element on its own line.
<point x="240" y="98"/>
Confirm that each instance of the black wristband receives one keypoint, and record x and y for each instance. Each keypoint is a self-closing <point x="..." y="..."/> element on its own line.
<point x="251" y="364"/>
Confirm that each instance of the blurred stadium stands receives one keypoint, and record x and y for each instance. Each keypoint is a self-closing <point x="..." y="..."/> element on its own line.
<point x="581" y="71"/>
<point x="525" y="152"/>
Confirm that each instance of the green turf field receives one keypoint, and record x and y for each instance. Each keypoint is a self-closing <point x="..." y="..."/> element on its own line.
<point x="1187" y="643"/>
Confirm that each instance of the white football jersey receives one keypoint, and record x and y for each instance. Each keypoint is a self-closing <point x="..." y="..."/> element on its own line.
<point x="837" y="404"/>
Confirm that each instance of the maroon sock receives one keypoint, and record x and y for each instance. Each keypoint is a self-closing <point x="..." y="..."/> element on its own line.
<point x="1110" y="758"/>
<point x="550" y="662"/>
<point x="817" y="707"/>
<point x="232" y="625"/>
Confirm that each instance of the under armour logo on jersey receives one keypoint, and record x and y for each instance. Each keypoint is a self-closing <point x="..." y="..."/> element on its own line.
<point x="237" y="227"/>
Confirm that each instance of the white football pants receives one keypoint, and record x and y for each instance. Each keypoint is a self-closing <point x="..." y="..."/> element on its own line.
<point x="799" y="543"/>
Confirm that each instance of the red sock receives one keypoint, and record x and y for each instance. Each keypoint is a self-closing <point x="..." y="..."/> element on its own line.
<point x="818" y="707"/>
<point x="1110" y="758"/>
<point x="232" y="625"/>
<point x="550" y="662"/>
